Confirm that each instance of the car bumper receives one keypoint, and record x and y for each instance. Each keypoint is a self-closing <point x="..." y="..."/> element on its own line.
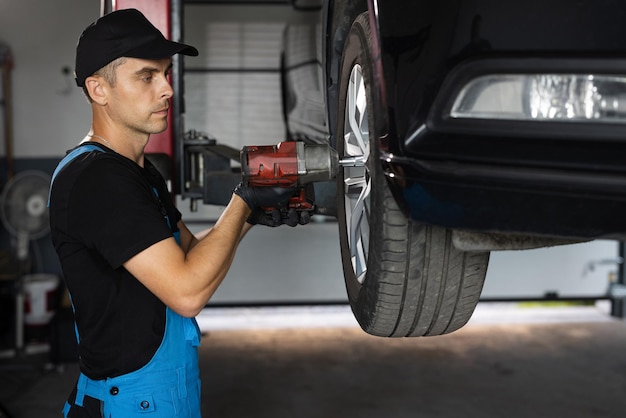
<point x="509" y="199"/>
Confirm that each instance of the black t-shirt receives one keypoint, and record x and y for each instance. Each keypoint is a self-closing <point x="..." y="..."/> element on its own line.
<point x="103" y="211"/>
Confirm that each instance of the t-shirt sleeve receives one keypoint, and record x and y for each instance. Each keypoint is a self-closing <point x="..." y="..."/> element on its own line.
<point x="116" y="213"/>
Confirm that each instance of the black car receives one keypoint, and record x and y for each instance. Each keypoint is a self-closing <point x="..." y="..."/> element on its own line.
<point x="484" y="125"/>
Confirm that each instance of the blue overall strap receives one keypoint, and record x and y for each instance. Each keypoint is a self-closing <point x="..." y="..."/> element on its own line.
<point x="65" y="161"/>
<point x="68" y="158"/>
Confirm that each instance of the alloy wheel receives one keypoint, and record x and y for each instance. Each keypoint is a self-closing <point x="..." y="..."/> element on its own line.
<point x="357" y="183"/>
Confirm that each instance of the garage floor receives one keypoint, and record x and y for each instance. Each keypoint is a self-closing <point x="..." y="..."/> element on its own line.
<point x="507" y="362"/>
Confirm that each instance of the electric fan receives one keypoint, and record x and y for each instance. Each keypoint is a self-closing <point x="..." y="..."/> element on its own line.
<point x="24" y="214"/>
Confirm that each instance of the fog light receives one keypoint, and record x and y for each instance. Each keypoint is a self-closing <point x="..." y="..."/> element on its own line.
<point x="544" y="97"/>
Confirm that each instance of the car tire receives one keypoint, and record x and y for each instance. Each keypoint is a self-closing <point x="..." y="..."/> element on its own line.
<point x="403" y="278"/>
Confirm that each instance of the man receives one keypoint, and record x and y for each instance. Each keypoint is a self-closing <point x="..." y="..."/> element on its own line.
<point x="135" y="273"/>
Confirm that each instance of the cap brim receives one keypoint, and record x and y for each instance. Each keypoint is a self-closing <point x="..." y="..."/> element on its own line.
<point x="161" y="48"/>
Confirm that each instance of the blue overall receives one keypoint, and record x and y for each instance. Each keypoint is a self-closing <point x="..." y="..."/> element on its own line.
<point x="167" y="386"/>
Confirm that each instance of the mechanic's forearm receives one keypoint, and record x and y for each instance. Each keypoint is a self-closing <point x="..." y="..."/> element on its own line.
<point x="212" y="256"/>
<point x="244" y="230"/>
<point x="195" y="238"/>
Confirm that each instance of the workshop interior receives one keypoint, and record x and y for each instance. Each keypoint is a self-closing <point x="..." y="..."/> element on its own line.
<point x="259" y="105"/>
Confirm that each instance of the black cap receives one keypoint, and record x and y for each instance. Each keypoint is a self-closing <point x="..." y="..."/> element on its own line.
<point x="122" y="33"/>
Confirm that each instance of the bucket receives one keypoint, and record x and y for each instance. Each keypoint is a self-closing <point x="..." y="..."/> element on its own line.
<point x="40" y="298"/>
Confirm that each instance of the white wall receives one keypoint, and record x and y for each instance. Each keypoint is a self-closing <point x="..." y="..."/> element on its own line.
<point x="237" y="108"/>
<point x="50" y="113"/>
<point x="570" y="271"/>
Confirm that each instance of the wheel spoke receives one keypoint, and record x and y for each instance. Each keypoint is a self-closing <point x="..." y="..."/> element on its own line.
<point x="359" y="230"/>
<point x="357" y="136"/>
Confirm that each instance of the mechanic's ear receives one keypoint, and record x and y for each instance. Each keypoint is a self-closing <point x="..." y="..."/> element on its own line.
<point x="96" y="89"/>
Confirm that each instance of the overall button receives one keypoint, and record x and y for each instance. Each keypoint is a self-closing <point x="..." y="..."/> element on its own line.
<point x="114" y="390"/>
<point x="144" y="405"/>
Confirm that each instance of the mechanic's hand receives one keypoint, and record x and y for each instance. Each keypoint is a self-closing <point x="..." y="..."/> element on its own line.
<point x="275" y="217"/>
<point x="272" y="197"/>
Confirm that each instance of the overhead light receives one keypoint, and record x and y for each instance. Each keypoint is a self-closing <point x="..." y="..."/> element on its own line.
<point x="543" y="97"/>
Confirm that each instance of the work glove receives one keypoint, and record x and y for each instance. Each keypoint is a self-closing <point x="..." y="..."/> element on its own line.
<point x="275" y="217"/>
<point x="268" y="197"/>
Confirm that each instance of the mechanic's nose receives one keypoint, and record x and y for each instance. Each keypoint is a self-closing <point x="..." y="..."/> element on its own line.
<point x="167" y="90"/>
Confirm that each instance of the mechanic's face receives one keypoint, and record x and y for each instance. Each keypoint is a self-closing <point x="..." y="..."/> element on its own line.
<point x="141" y="96"/>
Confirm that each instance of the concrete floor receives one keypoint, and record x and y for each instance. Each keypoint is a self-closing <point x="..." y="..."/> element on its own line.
<point x="507" y="362"/>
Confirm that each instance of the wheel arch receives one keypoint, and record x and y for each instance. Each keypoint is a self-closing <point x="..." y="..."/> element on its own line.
<point x="338" y="17"/>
